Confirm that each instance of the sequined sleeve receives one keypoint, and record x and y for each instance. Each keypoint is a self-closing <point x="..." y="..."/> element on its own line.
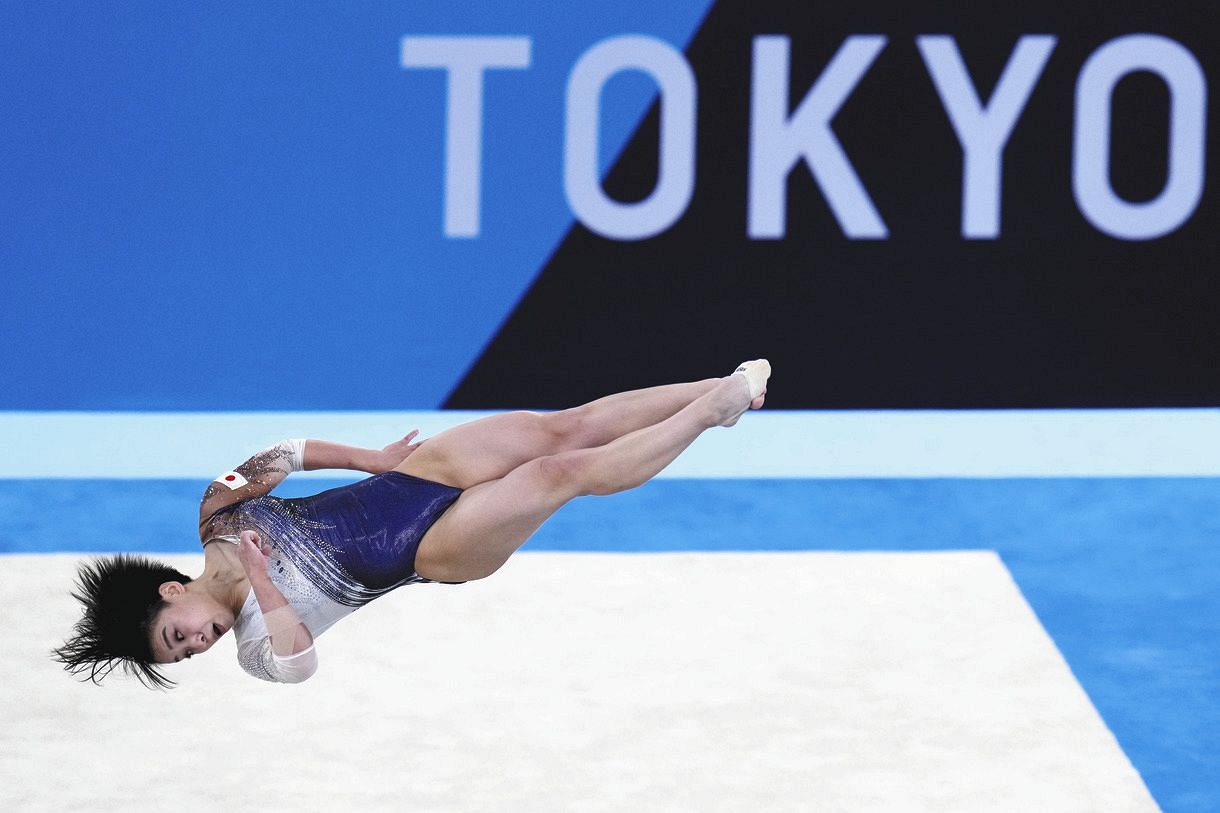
<point x="254" y="478"/>
<point x="257" y="659"/>
<point x="224" y="524"/>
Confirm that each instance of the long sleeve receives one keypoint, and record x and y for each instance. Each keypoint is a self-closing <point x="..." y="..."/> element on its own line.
<point x="257" y="659"/>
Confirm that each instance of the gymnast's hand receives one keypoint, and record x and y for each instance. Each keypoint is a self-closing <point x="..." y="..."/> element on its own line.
<point x="252" y="554"/>
<point x="393" y="455"/>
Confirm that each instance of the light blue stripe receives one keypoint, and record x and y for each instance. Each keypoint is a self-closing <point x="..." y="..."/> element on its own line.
<point x="777" y="444"/>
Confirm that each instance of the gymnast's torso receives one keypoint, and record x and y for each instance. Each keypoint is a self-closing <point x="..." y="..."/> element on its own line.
<point x="331" y="553"/>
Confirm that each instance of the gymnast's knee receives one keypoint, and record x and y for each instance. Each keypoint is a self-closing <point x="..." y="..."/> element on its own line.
<point x="569" y="474"/>
<point x="568" y="428"/>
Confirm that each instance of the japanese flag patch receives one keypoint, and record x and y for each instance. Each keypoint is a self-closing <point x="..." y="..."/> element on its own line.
<point x="231" y="480"/>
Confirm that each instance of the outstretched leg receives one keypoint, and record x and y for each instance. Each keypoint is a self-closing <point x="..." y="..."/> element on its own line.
<point x="489" y="448"/>
<point x="492" y="520"/>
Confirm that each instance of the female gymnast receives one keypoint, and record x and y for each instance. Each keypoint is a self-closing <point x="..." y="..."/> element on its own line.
<point x="279" y="572"/>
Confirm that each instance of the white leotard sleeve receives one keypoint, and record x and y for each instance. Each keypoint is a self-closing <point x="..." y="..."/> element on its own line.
<point x="257" y="659"/>
<point x="254" y="650"/>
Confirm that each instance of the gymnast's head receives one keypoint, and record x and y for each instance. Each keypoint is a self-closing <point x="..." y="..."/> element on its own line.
<point x="138" y="613"/>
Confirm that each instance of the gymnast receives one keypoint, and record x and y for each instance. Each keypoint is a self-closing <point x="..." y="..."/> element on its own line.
<point x="279" y="572"/>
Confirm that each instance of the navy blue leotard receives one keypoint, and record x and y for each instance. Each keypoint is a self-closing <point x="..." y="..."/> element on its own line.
<point x="333" y="552"/>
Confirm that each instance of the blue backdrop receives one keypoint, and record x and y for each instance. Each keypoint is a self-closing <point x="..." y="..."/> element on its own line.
<point x="247" y="199"/>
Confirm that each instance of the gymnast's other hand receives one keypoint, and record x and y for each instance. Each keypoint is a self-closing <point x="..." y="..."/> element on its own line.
<point x="393" y="455"/>
<point x="252" y="554"/>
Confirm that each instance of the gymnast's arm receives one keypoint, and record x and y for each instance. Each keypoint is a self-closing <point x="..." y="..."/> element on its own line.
<point x="293" y="656"/>
<point x="267" y="469"/>
<point x="254" y="478"/>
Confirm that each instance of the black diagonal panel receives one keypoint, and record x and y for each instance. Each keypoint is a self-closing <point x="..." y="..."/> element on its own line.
<point x="1052" y="314"/>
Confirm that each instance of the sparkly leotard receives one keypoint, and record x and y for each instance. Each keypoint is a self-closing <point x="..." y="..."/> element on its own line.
<point x="331" y="553"/>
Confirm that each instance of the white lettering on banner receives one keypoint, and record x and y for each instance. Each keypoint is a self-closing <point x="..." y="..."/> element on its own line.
<point x="676" y="168"/>
<point x="1187" y="136"/>
<point x="465" y="59"/>
<point x="778" y="141"/>
<point x="983" y="130"/>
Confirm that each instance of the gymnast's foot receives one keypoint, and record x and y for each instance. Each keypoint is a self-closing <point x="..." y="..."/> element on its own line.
<point x="745" y="389"/>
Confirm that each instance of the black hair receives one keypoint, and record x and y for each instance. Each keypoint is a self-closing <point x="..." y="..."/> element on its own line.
<point x="121" y="598"/>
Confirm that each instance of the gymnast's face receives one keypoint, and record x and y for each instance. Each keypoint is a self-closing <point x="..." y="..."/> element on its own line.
<point x="189" y="624"/>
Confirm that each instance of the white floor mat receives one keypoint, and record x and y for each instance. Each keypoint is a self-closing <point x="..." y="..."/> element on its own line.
<point x="591" y="682"/>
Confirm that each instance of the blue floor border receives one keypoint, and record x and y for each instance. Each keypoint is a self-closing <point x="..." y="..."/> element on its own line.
<point x="1124" y="573"/>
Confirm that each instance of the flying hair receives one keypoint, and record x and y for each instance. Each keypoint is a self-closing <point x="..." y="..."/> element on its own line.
<point x="120" y="597"/>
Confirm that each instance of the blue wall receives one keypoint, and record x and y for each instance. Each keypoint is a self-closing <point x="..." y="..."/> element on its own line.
<point x="239" y="206"/>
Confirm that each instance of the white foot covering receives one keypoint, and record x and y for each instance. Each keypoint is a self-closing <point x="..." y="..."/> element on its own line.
<point x="756" y="374"/>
